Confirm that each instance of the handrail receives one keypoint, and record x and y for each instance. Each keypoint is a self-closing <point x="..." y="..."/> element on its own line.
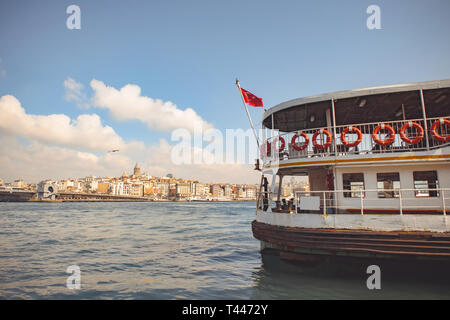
<point x="330" y="201"/>
<point x="366" y="145"/>
<point x="365" y="123"/>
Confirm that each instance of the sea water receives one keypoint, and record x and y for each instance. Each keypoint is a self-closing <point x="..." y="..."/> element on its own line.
<point x="164" y="250"/>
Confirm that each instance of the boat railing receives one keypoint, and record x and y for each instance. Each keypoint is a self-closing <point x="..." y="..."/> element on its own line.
<point x="374" y="201"/>
<point x="327" y="141"/>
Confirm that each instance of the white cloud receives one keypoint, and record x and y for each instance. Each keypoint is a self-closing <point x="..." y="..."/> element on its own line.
<point x="47" y="150"/>
<point x="37" y="161"/>
<point x="74" y="93"/>
<point x="86" y="131"/>
<point x="128" y="104"/>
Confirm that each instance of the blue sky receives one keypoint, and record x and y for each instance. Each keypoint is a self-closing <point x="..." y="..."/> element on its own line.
<point x="189" y="52"/>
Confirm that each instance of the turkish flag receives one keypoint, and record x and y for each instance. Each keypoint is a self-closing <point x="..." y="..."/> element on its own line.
<point x="251" y="99"/>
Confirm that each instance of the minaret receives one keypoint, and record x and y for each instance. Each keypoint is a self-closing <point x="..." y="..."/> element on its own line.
<point x="137" y="170"/>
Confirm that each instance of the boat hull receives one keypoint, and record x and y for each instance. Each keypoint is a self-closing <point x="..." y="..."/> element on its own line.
<point x="311" y="245"/>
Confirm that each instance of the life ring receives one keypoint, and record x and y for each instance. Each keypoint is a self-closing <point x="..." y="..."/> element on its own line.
<point x="434" y="132"/>
<point x="352" y="129"/>
<point x="329" y="139"/>
<point x="295" y="145"/>
<point x="410" y="140"/>
<point x="283" y="144"/>
<point x="388" y="141"/>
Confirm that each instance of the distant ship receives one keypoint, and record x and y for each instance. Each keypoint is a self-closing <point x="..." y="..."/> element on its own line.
<point x="378" y="164"/>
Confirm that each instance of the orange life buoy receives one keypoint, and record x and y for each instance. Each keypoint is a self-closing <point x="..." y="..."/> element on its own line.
<point x="295" y="145"/>
<point x="389" y="140"/>
<point x="329" y="139"/>
<point x="352" y="129"/>
<point x="434" y="132"/>
<point x="411" y="140"/>
<point x="283" y="144"/>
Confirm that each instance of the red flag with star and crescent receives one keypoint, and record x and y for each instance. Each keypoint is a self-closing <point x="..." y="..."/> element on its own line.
<point x="251" y="99"/>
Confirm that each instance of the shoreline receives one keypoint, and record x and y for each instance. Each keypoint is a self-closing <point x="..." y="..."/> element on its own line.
<point x="126" y="200"/>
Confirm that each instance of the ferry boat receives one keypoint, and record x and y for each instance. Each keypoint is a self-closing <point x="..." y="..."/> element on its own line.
<point x="378" y="165"/>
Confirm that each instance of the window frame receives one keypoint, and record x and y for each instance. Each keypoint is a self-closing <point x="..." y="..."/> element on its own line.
<point x="352" y="193"/>
<point x="388" y="194"/>
<point x="430" y="193"/>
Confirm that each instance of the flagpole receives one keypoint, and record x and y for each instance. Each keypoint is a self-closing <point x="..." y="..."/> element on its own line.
<point x="248" y="113"/>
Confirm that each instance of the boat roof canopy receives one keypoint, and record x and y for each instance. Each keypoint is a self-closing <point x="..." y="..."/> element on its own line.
<point x="376" y="104"/>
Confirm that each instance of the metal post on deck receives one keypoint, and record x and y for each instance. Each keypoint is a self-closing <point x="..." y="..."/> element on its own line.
<point x="334" y="126"/>
<point x="324" y="203"/>
<point x="279" y="191"/>
<point x="443" y="202"/>
<point x="400" y="199"/>
<point x="362" y="203"/>
<point x="424" y="113"/>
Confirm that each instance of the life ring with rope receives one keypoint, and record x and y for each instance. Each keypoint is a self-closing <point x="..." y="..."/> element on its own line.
<point x="407" y="139"/>
<point x="351" y="129"/>
<point x="294" y="143"/>
<point x="387" y="141"/>
<point x="327" y="143"/>
<point x="434" y="132"/>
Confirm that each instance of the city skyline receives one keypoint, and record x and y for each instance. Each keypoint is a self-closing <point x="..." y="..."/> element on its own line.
<point x="142" y="185"/>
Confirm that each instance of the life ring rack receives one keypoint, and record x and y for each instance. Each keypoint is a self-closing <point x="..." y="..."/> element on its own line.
<point x="329" y="139"/>
<point x="387" y="141"/>
<point x="411" y="124"/>
<point x="294" y="143"/>
<point x="351" y="129"/>
<point x="283" y="143"/>
<point x="434" y="132"/>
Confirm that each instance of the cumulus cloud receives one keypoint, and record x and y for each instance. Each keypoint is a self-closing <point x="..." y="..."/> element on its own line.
<point x="37" y="147"/>
<point x="128" y="104"/>
<point x="74" y="93"/>
<point x="36" y="161"/>
<point x="86" y="131"/>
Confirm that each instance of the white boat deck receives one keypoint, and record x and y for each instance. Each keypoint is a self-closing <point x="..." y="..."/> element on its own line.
<point x="374" y="222"/>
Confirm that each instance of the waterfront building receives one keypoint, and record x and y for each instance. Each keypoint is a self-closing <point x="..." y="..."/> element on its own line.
<point x="250" y="192"/>
<point x="18" y="184"/>
<point x="228" y="191"/>
<point x="103" y="187"/>
<point x="136" y="190"/>
<point x="47" y="190"/>
<point x="117" y="188"/>
<point x="216" y="190"/>
<point x="149" y="188"/>
<point x="163" y="189"/>
<point x="183" y="190"/>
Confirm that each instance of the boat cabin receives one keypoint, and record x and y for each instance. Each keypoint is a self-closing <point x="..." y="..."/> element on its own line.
<point x="382" y="150"/>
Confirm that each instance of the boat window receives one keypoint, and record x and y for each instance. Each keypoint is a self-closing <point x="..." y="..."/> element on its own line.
<point x="426" y="183"/>
<point x="388" y="185"/>
<point x="353" y="182"/>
